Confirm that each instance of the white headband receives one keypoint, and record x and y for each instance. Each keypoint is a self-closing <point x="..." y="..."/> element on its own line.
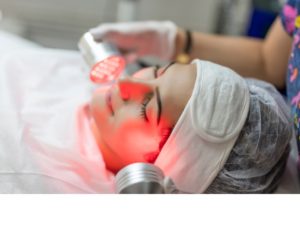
<point x="207" y="129"/>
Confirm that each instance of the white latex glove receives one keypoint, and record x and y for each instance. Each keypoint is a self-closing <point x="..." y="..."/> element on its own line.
<point x="138" y="39"/>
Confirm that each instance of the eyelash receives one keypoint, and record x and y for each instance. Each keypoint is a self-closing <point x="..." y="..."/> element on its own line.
<point x="156" y="68"/>
<point x="144" y="104"/>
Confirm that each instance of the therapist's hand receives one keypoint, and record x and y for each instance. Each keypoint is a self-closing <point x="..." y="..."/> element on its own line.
<point x="138" y="39"/>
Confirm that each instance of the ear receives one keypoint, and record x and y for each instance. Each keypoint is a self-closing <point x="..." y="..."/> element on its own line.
<point x="151" y="157"/>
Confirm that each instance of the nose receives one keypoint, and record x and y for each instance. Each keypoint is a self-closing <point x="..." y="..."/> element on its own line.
<point x="133" y="89"/>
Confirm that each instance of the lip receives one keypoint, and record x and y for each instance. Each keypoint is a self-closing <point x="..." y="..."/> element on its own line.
<point x="108" y="99"/>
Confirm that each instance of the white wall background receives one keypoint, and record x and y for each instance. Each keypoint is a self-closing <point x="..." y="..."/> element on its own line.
<point x="60" y="23"/>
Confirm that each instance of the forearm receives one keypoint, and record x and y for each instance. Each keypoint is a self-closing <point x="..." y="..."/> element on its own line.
<point x="240" y="54"/>
<point x="262" y="59"/>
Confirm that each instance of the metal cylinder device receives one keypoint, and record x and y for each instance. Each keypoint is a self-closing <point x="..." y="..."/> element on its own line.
<point x="140" y="178"/>
<point x="103" y="58"/>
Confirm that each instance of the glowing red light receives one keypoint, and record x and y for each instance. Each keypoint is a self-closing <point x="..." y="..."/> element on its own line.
<point x="107" y="70"/>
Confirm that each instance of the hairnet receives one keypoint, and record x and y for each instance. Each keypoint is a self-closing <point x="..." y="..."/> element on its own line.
<point x="258" y="159"/>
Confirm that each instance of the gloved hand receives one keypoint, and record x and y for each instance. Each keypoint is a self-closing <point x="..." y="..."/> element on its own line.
<point x="138" y="39"/>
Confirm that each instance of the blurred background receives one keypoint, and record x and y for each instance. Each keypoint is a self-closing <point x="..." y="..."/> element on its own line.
<point x="60" y="23"/>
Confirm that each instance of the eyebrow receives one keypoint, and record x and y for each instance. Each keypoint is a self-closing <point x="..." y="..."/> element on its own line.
<point x="167" y="67"/>
<point x="158" y="99"/>
<point x="156" y="68"/>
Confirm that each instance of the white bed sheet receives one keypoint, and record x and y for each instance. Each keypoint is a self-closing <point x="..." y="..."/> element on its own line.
<point x="46" y="145"/>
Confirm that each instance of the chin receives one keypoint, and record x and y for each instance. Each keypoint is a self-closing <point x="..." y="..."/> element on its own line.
<point x="118" y="167"/>
<point x="98" y="98"/>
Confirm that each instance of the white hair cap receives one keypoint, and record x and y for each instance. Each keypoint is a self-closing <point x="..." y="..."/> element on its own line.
<point x="207" y="129"/>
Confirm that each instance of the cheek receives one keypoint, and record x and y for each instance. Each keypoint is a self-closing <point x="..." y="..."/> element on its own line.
<point x="134" y="139"/>
<point x="126" y="133"/>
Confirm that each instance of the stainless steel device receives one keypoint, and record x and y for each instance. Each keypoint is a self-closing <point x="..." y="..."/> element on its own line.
<point x="104" y="59"/>
<point x="140" y="178"/>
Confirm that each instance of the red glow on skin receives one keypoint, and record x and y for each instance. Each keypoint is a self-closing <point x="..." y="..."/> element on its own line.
<point x="107" y="70"/>
<point x="135" y="136"/>
<point x="125" y="137"/>
<point x="140" y="144"/>
<point x="127" y="90"/>
<point x="133" y="141"/>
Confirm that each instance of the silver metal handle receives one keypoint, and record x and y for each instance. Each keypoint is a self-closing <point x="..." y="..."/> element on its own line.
<point x="140" y="178"/>
<point x="93" y="51"/>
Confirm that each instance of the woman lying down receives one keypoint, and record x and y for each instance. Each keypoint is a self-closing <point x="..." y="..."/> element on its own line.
<point x="207" y="128"/>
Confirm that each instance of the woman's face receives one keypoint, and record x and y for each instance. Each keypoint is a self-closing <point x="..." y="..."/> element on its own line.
<point x="133" y="117"/>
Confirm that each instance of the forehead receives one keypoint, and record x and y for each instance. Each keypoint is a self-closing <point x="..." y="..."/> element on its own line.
<point x="177" y="85"/>
<point x="179" y="77"/>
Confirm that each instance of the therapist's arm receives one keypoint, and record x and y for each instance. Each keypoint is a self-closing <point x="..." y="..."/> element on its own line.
<point x="263" y="59"/>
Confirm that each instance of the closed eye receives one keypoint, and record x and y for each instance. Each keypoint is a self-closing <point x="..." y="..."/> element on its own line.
<point x="144" y="104"/>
